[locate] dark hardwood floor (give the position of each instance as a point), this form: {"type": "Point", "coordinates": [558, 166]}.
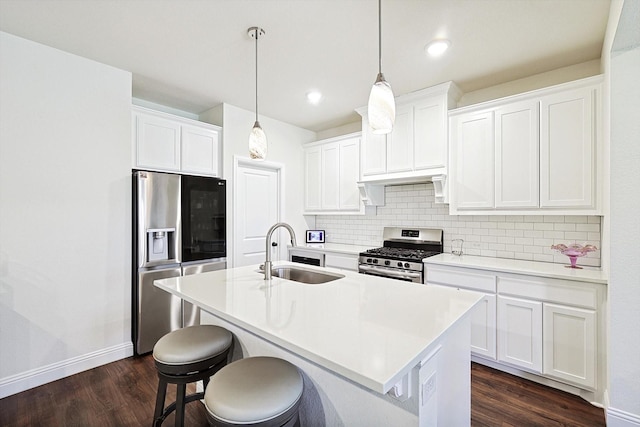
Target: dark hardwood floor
{"type": "Point", "coordinates": [122, 394]}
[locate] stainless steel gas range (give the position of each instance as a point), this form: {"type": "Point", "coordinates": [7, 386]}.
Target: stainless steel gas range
{"type": "Point", "coordinates": [402, 253]}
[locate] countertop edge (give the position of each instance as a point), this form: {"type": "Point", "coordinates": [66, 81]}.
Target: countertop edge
{"type": "Point", "coordinates": [530, 268]}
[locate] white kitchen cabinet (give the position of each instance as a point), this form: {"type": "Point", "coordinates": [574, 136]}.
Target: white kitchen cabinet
{"type": "Point", "coordinates": [429, 150]}
{"type": "Point", "coordinates": [163, 142]}
{"type": "Point", "coordinates": [483, 318]}
{"type": "Point", "coordinates": [534, 153]}
{"type": "Point", "coordinates": [200, 148]}
{"type": "Point", "coordinates": [475, 169]}
{"type": "Point", "coordinates": [567, 148]}
{"type": "Point", "coordinates": [374, 151]}
{"type": "Point", "coordinates": [157, 144]}
{"type": "Point", "coordinates": [516, 155]}
{"type": "Point", "coordinates": [520, 333]}
{"type": "Point", "coordinates": [417, 148]}
{"type": "Point", "coordinates": [331, 176]}
{"type": "Point", "coordinates": [341, 261]}
{"type": "Point", "coordinates": [342, 257]}
{"type": "Point", "coordinates": [534, 326]}
{"type": "Point", "coordinates": [400, 142]}
{"type": "Point", "coordinates": [569, 348]}
{"type": "Point", "coordinates": [349, 173]}
{"type": "Point", "coordinates": [312, 182]}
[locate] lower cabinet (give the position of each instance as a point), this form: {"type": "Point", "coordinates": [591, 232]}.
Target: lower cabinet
{"type": "Point", "coordinates": [569, 344]}
{"type": "Point", "coordinates": [483, 328]}
{"type": "Point", "coordinates": [548, 327]}
{"type": "Point", "coordinates": [341, 261]}
{"type": "Point", "coordinates": [483, 319]}
{"type": "Point", "coordinates": [520, 333]}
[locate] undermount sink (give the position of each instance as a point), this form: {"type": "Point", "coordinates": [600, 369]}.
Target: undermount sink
{"type": "Point", "coordinates": [302, 275]}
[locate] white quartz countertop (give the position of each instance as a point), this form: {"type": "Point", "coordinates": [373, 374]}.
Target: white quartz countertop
{"type": "Point", "coordinates": [368, 329]}
{"type": "Point", "coordinates": [534, 268]}
{"type": "Point", "coordinates": [332, 247]}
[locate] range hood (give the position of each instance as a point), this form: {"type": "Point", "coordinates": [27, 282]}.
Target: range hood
{"type": "Point", "coordinates": [372, 189]}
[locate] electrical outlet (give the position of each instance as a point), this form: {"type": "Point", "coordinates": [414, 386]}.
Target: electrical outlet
{"type": "Point", "coordinates": [429, 388]}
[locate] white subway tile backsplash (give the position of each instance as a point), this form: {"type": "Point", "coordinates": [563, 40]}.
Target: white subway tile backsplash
{"type": "Point", "coordinates": [525, 237]}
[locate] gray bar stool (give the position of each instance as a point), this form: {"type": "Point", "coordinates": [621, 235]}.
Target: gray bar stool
{"type": "Point", "coordinates": [184, 356]}
{"type": "Point", "coordinates": [256, 391]}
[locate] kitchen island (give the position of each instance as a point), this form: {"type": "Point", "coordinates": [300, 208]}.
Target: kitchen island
{"type": "Point", "coordinates": [373, 351]}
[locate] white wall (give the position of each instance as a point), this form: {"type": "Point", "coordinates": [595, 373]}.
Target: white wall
{"type": "Point", "coordinates": [65, 209]}
{"type": "Point", "coordinates": [624, 276]}
{"type": "Point", "coordinates": [537, 81]}
{"type": "Point", "coordinates": [285, 147]}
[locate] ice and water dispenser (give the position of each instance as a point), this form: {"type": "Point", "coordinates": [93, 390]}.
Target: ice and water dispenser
{"type": "Point", "coordinates": [160, 244]}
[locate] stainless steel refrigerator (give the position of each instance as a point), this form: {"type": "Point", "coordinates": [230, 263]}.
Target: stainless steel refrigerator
{"type": "Point", "coordinates": [179, 228]}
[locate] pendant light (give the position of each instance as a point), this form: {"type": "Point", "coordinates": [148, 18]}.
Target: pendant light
{"type": "Point", "coordinates": [257, 138]}
{"type": "Point", "coordinates": [382, 105]}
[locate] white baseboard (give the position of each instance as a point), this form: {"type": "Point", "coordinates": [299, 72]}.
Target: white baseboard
{"type": "Point", "coordinates": [618, 418]}
{"type": "Point", "coordinates": [36, 377]}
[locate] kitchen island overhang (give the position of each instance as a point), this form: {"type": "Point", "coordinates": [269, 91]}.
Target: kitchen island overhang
{"type": "Point", "coordinates": [377, 333]}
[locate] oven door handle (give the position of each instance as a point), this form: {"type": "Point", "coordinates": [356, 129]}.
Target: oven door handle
{"type": "Point", "coordinates": [390, 272]}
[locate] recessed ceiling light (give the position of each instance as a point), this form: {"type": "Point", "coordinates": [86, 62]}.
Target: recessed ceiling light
{"type": "Point", "coordinates": [314, 97]}
{"type": "Point", "coordinates": [437, 47]}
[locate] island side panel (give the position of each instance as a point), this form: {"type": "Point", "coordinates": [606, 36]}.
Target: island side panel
{"type": "Point", "coordinates": [440, 385]}
{"type": "Point", "coordinates": [329, 399]}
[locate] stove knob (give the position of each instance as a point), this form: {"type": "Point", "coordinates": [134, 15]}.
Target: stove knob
{"type": "Point", "coordinates": [368, 260]}
{"type": "Point", "coordinates": [399, 264]}
{"type": "Point", "coordinates": [375, 261]}
{"type": "Point", "coordinates": [407, 265]}
{"type": "Point", "coordinates": [387, 263]}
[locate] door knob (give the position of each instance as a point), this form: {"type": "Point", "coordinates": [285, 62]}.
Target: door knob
{"type": "Point", "coordinates": [274, 243]}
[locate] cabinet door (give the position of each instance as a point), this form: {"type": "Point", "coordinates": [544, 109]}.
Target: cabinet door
{"type": "Point", "coordinates": [474, 170]}
{"type": "Point", "coordinates": [567, 145]}
{"type": "Point", "coordinates": [430, 134]}
{"type": "Point", "coordinates": [157, 143]}
{"type": "Point", "coordinates": [312, 178]}
{"type": "Point", "coordinates": [520, 333]}
{"type": "Point", "coordinates": [570, 344]}
{"type": "Point", "coordinates": [517, 141]}
{"type": "Point", "coordinates": [374, 151]}
{"type": "Point", "coordinates": [483, 328]}
{"type": "Point", "coordinates": [400, 142]}
{"type": "Point", "coordinates": [349, 174]}
{"type": "Point", "coordinates": [330, 176]}
{"type": "Point", "coordinates": [200, 151]}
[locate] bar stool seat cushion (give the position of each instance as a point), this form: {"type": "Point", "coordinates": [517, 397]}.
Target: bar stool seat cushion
{"type": "Point", "coordinates": [253, 390]}
{"type": "Point", "coordinates": [192, 344]}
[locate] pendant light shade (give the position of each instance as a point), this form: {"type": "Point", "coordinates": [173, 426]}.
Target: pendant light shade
{"type": "Point", "coordinates": [257, 137]}
{"type": "Point", "coordinates": [257, 142]}
{"type": "Point", "coordinates": [382, 105]}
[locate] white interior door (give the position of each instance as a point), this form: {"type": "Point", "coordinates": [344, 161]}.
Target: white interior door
{"type": "Point", "coordinates": [256, 209]}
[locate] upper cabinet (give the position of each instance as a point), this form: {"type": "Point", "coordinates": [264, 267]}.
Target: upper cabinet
{"type": "Point", "coordinates": [332, 171]}
{"type": "Point", "coordinates": [417, 148]}
{"type": "Point", "coordinates": [528, 154]}
{"type": "Point", "coordinates": [164, 142]}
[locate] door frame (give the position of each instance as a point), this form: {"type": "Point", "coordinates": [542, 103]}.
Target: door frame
{"type": "Point", "coordinates": [238, 162]}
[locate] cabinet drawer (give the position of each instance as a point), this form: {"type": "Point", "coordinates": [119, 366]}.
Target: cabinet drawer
{"type": "Point", "coordinates": [465, 279]}
{"type": "Point", "coordinates": [344, 262]}
{"type": "Point", "coordinates": [552, 290]}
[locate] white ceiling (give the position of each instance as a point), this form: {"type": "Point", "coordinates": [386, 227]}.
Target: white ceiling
{"type": "Point", "coordinates": [195, 54]}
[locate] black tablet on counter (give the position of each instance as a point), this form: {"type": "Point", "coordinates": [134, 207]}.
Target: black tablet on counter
{"type": "Point", "coordinates": [315, 236]}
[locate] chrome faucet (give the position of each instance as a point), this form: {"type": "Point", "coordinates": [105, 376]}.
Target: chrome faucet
{"type": "Point", "coordinates": [267, 262]}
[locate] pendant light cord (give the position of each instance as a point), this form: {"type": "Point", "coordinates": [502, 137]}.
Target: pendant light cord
{"type": "Point", "coordinates": [256, 33]}
{"type": "Point", "coordinates": [379, 36]}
